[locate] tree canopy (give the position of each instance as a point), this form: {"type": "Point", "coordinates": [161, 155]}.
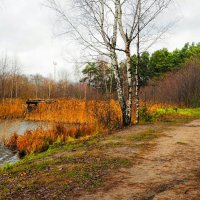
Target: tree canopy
{"type": "Point", "coordinates": [151, 65]}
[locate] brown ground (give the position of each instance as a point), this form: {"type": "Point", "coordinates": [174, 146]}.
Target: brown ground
{"type": "Point", "coordinates": [164, 165]}
{"type": "Point", "coordinates": [170, 171]}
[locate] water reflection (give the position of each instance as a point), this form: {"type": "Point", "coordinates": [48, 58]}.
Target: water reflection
{"type": "Point", "coordinates": [8, 127]}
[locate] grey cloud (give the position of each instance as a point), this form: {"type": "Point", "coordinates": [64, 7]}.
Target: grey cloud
{"type": "Point", "coordinates": [27, 31]}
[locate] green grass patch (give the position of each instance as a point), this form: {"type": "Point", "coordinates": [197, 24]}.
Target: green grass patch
{"type": "Point", "coordinates": [195, 112]}
{"type": "Point", "coordinates": [190, 111]}
{"type": "Point", "coordinates": [6, 167]}
{"type": "Point", "coordinates": [147, 135]}
{"type": "Point", "coordinates": [112, 144]}
{"type": "Point", "coordinates": [175, 116]}
{"type": "Point", "coordinates": [64, 174]}
{"type": "Point", "coordinates": [143, 145]}
{"type": "Point", "coordinates": [59, 148]}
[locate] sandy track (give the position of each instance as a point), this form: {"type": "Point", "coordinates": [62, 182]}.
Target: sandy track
{"type": "Point", "coordinates": [170, 171]}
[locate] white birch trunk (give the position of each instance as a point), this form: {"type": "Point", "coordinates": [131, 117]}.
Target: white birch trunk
{"type": "Point", "coordinates": [121, 98]}
{"type": "Point", "coordinates": [130, 87]}
{"type": "Point", "coordinates": [137, 98]}
{"type": "Point", "coordinates": [128, 59]}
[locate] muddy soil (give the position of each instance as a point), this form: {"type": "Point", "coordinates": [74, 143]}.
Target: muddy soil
{"type": "Point", "coordinates": [171, 170]}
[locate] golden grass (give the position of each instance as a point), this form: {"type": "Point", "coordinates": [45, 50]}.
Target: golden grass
{"type": "Point", "coordinates": [40, 139]}
{"type": "Point", "coordinates": [12, 109]}
{"type": "Point", "coordinates": [75, 111]}
{"type": "Point", "coordinates": [83, 118]}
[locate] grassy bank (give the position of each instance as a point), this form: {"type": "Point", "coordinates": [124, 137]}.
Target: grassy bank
{"type": "Point", "coordinates": [168, 114]}
{"type": "Point", "coordinates": [81, 166]}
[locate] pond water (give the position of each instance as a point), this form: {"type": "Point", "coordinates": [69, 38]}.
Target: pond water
{"type": "Point", "coordinates": [9, 127]}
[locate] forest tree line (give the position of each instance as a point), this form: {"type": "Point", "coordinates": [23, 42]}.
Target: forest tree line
{"type": "Point", "coordinates": [164, 76]}
{"type": "Point", "coordinates": [157, 64]}
{"type": "Point", "coordinates": [179, 71]}
{"type": "Point", "coordinates": [14, 84]}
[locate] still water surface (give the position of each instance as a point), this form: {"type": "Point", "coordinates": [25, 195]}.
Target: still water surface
{"type": "Point", "coordinates": [8, 127]}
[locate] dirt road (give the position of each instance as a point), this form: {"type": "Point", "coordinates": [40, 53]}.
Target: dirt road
{"type": "Point", "coordinates": [170, 171]}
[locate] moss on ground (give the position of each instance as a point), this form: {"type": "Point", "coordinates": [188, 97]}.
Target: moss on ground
{"type": "Point", "coordinates": [147, 135]}
{"type": "Point", "coordinates": [61, 170]}
{"type": "Point", "coordinates": [60, 176]}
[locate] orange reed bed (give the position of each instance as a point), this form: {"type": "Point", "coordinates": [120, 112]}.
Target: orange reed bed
{"type": "Point", "coordinates": [34, 141]}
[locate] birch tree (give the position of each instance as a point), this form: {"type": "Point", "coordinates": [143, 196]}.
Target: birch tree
{"type": "Point", "coordinates": [109, 28]}
{"type": "Point", "coordinates": [96, 28]}
{"type": "Point", "coordinates": [134, 16]}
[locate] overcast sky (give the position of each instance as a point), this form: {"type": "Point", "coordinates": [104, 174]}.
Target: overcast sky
{"type": "Point", "coordinates": [26, 31]}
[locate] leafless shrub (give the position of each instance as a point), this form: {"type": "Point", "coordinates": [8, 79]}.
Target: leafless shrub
{"type": "Point", "coordinates": [181, 87]}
